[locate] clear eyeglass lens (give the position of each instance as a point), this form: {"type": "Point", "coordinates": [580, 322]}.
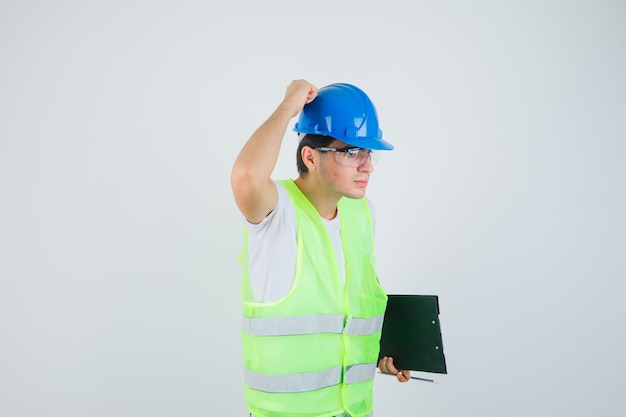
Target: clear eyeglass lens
{"type": "Point", "coordinates": [357, 157]}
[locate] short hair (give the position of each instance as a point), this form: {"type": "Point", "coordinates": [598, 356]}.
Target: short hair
{"type": "Point", "coordinates": [312, 141]}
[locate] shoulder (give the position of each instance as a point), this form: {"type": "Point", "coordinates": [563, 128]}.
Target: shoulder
{"type": "Point", "coordinates": [282, 214]}
{"type": "Point", "coordinates": [367, 206]}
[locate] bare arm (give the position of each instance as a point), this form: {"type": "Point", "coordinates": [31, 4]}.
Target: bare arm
{"type": "Point", "coordinates": [254, 192]}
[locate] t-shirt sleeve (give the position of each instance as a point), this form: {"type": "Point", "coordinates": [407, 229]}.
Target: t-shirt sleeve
{"type": "Point", "coordinates": [272, 250]}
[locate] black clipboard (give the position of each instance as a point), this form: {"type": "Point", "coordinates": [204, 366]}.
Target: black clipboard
{"type": "Point", "coordinates": [411, 333]}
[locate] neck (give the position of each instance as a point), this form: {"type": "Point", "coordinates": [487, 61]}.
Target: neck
{"type": "Point", "coordinates": [324, 202]}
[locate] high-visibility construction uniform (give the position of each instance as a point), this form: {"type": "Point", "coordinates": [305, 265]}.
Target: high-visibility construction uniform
{"type": "Point", "coordinates": [314, 352]}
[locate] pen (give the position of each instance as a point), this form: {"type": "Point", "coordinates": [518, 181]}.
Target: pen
{"type": "Point", "coordinates": [424, 379]}
{"type": "Point", "coordinates": [414, 377]}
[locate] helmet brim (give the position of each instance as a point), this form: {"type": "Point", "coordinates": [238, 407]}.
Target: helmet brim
{"type": "Point", "coordinates": [374, 144]}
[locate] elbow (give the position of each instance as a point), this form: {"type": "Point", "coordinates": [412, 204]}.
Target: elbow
{"type": "Point", "coordinates": [240, 177]}
{"type": "Point", "coordinates": [244, 182]}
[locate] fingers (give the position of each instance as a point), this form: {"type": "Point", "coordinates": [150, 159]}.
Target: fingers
{"type": "Point", "coordinates": [386, 366]}
{"type": "Point", "coordinates": [312, 94]}
{"type": "Point", "coordinates": [404, 376]}
{"type": "Point", "coordinates": [299, 93]}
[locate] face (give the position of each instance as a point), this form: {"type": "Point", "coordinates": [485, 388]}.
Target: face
{"type": "Point", "coordinates": [347, 181]}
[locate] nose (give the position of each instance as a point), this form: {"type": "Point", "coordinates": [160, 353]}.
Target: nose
{"type": "Point", "coordinates": [366, 165]}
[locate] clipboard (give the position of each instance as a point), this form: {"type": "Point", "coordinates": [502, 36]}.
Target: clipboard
{"type": "Point", "coordinates": [411, 333]}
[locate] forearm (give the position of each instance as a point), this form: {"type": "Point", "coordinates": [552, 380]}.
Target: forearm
{"type": "Point", "coordinates": [254, 192]}
{"type": "Point", "coordinates": [258, 157]}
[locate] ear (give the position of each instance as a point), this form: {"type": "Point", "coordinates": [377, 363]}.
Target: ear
{"type": "Point", "coordinates": [309, 157]}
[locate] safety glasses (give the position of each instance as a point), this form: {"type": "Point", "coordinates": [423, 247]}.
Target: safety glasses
{"type": "Point", "coordinates": [351, 156]}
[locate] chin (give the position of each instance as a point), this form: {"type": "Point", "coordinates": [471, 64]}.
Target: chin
{"type": "Point", "coordinates": [355, 194]}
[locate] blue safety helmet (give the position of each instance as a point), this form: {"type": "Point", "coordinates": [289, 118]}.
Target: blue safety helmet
{"type": "Point", "coordinates": [346, 113]}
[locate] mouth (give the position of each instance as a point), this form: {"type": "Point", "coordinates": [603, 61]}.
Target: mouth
{"type": "Point", "coordinates": [361, 182]}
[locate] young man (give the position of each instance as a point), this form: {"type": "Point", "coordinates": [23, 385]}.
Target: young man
{"type": "Point", "coordinates": [312, 304]}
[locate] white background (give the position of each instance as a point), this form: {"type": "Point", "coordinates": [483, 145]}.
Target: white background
{"type": "Point", "coordinates": [119, 122]}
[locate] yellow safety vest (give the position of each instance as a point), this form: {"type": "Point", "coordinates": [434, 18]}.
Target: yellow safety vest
{"type": "Point", "coordinates": [314, 352]}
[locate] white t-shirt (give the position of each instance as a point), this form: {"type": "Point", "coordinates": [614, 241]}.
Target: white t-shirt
{"type": "Point", "coordinates": [272, 248]}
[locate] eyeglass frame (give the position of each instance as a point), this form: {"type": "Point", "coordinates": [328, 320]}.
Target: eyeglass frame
{"type": "Point", "coordinates": [347, 149]}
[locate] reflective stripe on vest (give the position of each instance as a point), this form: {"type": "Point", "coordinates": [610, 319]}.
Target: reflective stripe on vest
{"type": "Point", "coordinates": [300, 325]}
{"type": "Point", "coordinates": [308, 381]}
{"type": "Point", "coordinates": [362, 327]}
